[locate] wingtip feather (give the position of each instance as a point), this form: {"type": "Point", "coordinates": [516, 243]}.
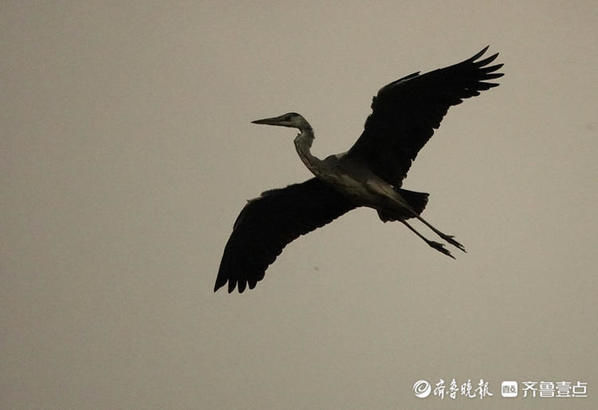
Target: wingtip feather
{"type": "Point", "coordinates": [492, 76]}
{"type": "Point", "coordinates": [487, 60]}
{"type": "Point", "coordinates": [479, 54]}
{"type": "Point", "coordinates": [491, 68]}
{"type": "Point", "coordinates": [241, 286]}
{"type": "Point", "coordinates": [218, 285]}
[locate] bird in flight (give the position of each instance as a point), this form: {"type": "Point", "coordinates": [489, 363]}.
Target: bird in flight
{"type": "Point", "coordinates": [404, 115]}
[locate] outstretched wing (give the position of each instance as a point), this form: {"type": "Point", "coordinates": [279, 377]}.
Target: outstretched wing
{"type": "Point", "coordinates": [407, 111]}
{"type": "Point", "coordinates": [268, 223]}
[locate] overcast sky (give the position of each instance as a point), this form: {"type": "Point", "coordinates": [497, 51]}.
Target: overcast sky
{"type": "Point", "coordinates": [126, 153]}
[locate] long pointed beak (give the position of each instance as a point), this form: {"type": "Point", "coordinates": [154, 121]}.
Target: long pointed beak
{"type": "Point", "coordinates": [270, 121]}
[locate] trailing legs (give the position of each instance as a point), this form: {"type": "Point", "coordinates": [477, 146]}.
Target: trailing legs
{"type": "Point", "coordinates": [436, 245]}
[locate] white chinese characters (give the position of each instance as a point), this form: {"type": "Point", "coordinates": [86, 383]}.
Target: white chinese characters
{"type": "Point", "coordinates": [543, 389]}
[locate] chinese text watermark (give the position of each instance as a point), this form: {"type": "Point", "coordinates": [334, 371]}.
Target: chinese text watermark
{"type": "Point", "coordinates": [480, 389]}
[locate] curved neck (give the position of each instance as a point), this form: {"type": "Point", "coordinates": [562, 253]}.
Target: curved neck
{"type": "Point", "coordinates": [303, 142]}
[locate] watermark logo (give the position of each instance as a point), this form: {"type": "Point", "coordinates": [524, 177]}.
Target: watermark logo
{"type": "Point", "coordinates": [422, 389]}
{"type": "Point", "coordinates": [524, 390]}
{"type": "Point", "coordinates": [508, 389]}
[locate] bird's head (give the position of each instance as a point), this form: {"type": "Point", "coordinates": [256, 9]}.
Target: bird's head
{"type": "Point", "coordinates": [291, 119]}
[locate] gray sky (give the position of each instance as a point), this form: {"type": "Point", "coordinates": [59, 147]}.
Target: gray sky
{"type": "Point", "coordinates": [126, 153]}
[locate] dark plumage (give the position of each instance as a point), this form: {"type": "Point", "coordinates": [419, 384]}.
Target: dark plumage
{"type": "Point", "coordinates": [268, 223]}
{"type": "Point", "coordinates": [407, 111]}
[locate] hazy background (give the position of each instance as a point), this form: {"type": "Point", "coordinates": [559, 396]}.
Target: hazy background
{"type": "Point", "coordinates": [126, 154]}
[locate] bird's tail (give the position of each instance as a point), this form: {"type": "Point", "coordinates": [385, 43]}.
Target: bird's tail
{"type": "Point", "coordinates": [416, 200]}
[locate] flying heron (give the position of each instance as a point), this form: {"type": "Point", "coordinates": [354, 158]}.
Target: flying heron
{"type": "Point", "coordinates": [405, 114]}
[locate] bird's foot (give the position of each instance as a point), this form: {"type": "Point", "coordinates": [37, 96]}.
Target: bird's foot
{"type": "Point", "coordinates": [440, 248]}
{"type": "Point", "coordinates": [451, 239]}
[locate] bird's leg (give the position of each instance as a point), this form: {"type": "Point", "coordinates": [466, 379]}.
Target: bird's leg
{"type": "Point", "coordinates": [436, 245]}
{"type": "Point", "coordinates": [390, 192]}
{"type": "Point", "coordinates": [449, 238]}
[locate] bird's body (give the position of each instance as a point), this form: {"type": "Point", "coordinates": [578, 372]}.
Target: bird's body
{"type": "Point", "coordinates": [347, 175]}
{"type": "Point", "coordinates": [370, 174]}
{"type": "Point", "coordinates": [353, 179]}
